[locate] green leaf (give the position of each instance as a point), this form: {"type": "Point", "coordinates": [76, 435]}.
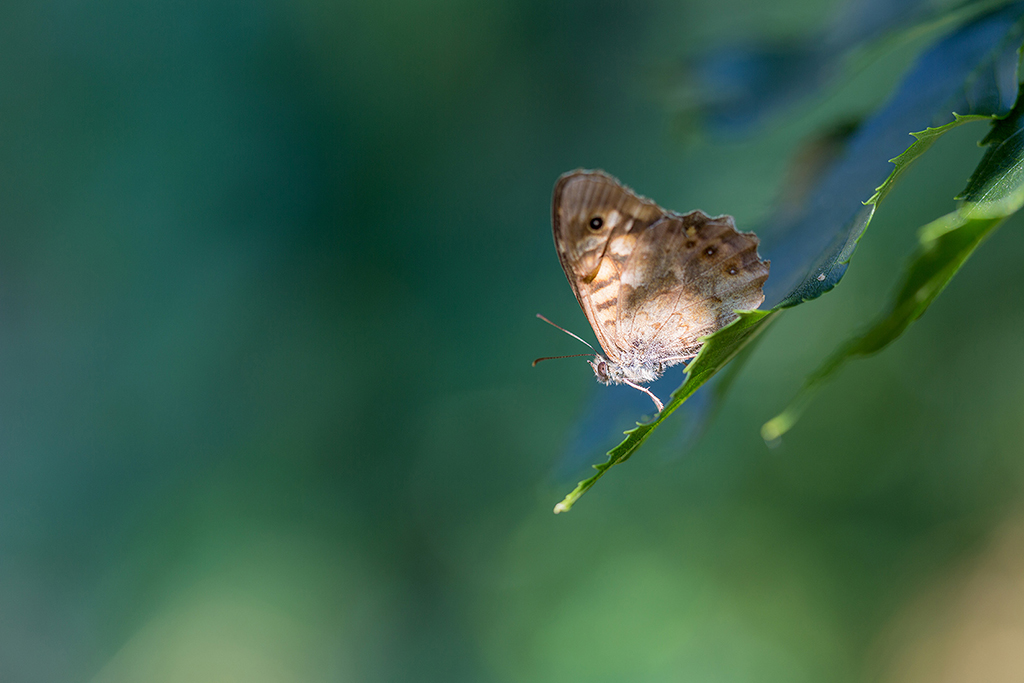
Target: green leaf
{"type": "Point", "coordinates": [923, 140]}
{"type": "Point", "coordinates": [994, 192]}
{"type": "Point", "coordinates": [719, 348]}
{"type": "Point", "coordinates": [973, 70]}
{"type": "Point", "coordinates": [945, 246]}
{"type": "Point", "coordinates": [997, 179]}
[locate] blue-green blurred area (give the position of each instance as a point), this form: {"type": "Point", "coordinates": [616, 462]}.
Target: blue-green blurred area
{"type": "Point", "coordinates": [267, 287]}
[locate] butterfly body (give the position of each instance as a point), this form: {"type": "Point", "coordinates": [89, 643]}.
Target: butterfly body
{"type": "Point", "coordinates": [651, 282]}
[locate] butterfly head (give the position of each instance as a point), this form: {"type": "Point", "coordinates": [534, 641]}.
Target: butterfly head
{"type": "Point", "coordinates": [600, 365]}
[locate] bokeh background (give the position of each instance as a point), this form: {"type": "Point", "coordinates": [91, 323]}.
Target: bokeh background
{"type": "Point", "coordinates": [267, 286]}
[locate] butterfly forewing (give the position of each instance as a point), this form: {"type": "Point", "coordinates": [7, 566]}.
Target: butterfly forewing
{"type": "Point", "coordinates": [596, 221]}
{"type": "Point", "coordinates": [652, 283]}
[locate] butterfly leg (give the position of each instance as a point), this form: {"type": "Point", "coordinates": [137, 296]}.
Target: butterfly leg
{"type": "Point", "coordinates": [647, 391]}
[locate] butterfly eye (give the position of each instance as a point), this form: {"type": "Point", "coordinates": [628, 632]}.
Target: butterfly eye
{"type": "Point", "coordinates": [596, 222]}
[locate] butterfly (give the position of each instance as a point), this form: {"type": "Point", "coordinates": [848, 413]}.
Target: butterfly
{"type": "Point", "coordinates": [651, 282]}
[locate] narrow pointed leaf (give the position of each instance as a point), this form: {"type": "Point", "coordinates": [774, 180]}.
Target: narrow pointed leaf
{"type": "Point", "coordinates": [994, 192]}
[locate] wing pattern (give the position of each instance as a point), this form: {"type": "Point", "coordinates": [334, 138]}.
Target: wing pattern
{"type": "Point", "coordinates": [651, 282]}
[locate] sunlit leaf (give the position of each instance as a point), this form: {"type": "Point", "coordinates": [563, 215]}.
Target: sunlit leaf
{"type": "Point", "coordinates": [994, 192]}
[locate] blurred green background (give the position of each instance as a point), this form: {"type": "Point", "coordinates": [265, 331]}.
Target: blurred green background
{"type": "Point", "coordinates": [267, 288]}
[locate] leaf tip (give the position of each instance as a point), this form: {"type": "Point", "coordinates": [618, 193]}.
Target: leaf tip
{"type": "Point", "coordinates": [562, 507]}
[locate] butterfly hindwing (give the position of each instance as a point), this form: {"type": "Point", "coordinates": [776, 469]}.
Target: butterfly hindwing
{"type": "Point", "coordinates": [684, 280]}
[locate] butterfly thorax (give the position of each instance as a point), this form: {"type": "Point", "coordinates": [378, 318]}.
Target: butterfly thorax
{"type": "Point", "coordinates": [639, 371]}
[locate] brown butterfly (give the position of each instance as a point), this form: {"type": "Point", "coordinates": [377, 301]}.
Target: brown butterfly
{"type": "Point", "coordinates": [651, 282]}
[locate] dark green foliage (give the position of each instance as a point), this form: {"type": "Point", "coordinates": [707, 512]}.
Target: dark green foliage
{"type": "Point", "coordinates": [970, 75]}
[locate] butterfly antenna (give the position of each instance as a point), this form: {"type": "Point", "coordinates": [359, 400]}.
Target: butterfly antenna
{"type": "Point", "coordinates": [568, 333]}
{"type": "Point", "coordinates": [574, 355]}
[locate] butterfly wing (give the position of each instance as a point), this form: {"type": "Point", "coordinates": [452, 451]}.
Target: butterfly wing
{"type": "Point", "coordinates": [683, 280]}
{"type": "Point", "coordinates": [596, 222]}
